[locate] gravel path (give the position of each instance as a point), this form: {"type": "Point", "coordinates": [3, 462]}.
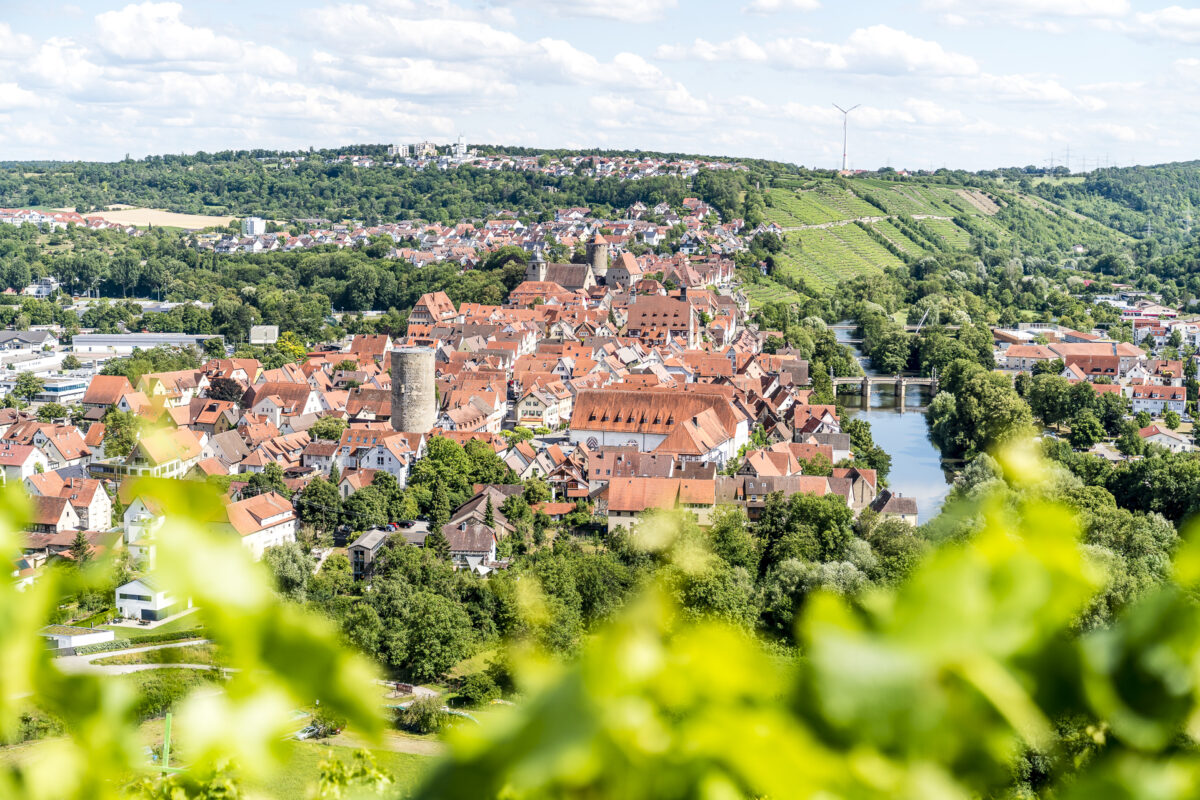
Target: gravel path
{"type": "Point", "coordinates": [77, 664]}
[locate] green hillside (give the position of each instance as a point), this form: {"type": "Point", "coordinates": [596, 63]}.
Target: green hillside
{"type": "Point", "coordinates": [837, 229]}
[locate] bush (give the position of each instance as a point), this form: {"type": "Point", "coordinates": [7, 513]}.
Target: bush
{"type": "Point", "coordinates": [161, 689]}
{"type": "Point", "coordinates": [423, 715]}
{"type": "Point", "coordinates": [478, 689]}
{"type": "Point", "coordinates": [102, 647]}
{"type": "Point", "coordinates": [35, 725]}
{"type": "Point", "coordinates": [327, 724]}
{"type": "Point", "coordinates": [167, 636]}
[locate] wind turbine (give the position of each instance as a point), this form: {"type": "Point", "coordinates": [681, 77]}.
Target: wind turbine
{"type": "Point", "coordinates": [845, 122]}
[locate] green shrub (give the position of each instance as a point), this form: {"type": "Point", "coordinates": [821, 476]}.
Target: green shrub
{"type": "Point", "coordinates": [478, 689]}
{"type": "Point", "coordinates": [161, 689]}
{"type": "Point", "coordinates": [423, 715]}
{"type": "Point", "coordinates": [102, 647]}
{"type": "Point", "coordinates": [167, 636]}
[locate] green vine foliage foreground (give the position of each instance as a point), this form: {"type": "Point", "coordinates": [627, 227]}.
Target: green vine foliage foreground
{"type": "Point", "coordinates": [283, 659]}
{"type": "Point", "coordinates": [972, 679]}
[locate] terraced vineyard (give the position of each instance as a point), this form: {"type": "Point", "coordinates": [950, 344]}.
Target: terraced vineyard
{"type": "Point", "coordinates": [953, 236]}
{"type": "Point", "coordinates": [827, 202]}
{"type": "Point", "coordinates": [898, 238]}
{"type": "Point", "coordinates": [769, 292]}
{"type": "Point", "coordinates": [825, 256]}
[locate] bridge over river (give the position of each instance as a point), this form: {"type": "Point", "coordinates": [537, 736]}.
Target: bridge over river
{"type": "Point", "coordinates": [900, 382]}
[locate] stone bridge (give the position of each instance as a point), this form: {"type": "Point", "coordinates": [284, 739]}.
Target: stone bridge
{"type": "Point", "coordinates": [900, 382]}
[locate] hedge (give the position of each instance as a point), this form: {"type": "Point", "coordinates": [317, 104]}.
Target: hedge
{"type": "Point", "coordinates": [102, 647]}
{"type": "Point", "coordinates": [168, 636]}
{"type": "Point", "coordinates": [136, 641]}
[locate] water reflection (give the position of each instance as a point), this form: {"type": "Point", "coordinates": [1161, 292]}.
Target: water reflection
{"type": "Point", "coordinates": [916, 464]}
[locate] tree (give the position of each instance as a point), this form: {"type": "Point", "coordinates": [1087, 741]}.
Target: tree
{"type": "Point", "coordinates": [1143, 419]}
{"type": "Point", "coordinates": [81, 551]}
{"type": "Point", "coordinates": [290, 345]}
{"type": "Point", "coordinates": [52, 411]}
{"type": "Point", "coordinates": [269, 480]}
{"type": "Point", "coordinates": [221, 388]}
{"type": "Point", "coordinates": [423, 715]}
{"type": "Point", "coordinates": [72, 362]}
{"type": "Point", "coordinates": [731, 539]}
{"type": "Point", "coordinates": [536, 491]}
{"type": "Point", "coordinates": [214, 348]}
{"type": "Point", "coordinates": [437, 543]}
{"type": "Point", "coordinates": [1129, 443]}
{"type": "Point", "coordinates": [292, 568]}
{"type": "Point", "coordinates": [489, 514]}
{"type": "Point", "coordinates": [1023, 383]}
{"type": "Point", "coordinates": [439, 509]}
{"type": "Point", "coordinates": [319, 504]}
{"type": "Point", "coordinates": [365, 509]}
{"type": "Point", "coordinates": [1171, 418]}
{"type": "Point", "coordinates": [121, 432]}
{"type": "Point", "coordinates": [1050, 398]}
{"type": "Point", "coordinates": [328, 428]}
{"type": "Point", "coordinates": [477, 689]}
{"type": "Point", "coordinates": [1086, 430]}
{"type": "Point", "coordinates": [439, 635]}
{"type": "Point", "coordinates": [27, 386]}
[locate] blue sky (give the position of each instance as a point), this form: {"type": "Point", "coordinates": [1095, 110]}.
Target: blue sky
{"type": "Point", "coordinates": [959, 83]}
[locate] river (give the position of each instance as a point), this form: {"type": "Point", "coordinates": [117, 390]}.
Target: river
{"type": "Point", "coordinates": [916, 464]}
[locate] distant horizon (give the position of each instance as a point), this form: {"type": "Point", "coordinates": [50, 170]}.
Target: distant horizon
{"type": "Point", "coordinates": [614, 150]}
{"type": "Point", "coordinates": [936, 82]}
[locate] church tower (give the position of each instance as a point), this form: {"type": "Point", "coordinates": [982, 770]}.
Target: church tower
{"type": "Point", "coordinates": [536, 269]}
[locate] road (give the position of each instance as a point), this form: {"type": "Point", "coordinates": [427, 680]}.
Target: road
{"type": "Point", "coordinates": [841, 222]}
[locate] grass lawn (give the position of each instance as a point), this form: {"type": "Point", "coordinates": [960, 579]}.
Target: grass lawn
{"type": "Point", "coordinates": [475, 663]}
{"type": "Point", "coordinates": [302, 769]}
{"type": "Point", "coordinates": [187, 654]}
{"type": "Point", "coordinates": [298, 772]}
{"type": "Point", "coordinates": [184, 623]}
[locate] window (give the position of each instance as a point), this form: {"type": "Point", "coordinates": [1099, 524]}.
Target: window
{"type": "Point", "coordinates": [141, 598]}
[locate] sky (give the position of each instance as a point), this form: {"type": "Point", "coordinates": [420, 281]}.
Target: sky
{"type": "Point", "coordinates": [969, 84]}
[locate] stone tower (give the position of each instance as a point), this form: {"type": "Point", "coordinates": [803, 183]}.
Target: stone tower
{"type": "Point", "coordinates": [597, 256]}
{"type": "Point", "coordinates": [535, 270]}
{"type": "Point", "coordinates": [414, 408]}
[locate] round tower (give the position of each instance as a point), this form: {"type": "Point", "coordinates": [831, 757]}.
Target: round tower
{"type": "Point", "coordinates": [414, 407]}
{"type": "Point", "coordinates": [597, 255]}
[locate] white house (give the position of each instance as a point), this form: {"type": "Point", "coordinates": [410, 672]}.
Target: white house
{"type": "Point", "coordinates": [19, 461]}
{"type": "Point", "coordinates": [61, 636]}
{"type": "Point", "coordinates": [143, 518]}
{"type": "Point", "coordinates": [1163, 436]}
{"type": "Point", "coordinates": [143, 598]}
{"type": "Point", "coordinates": [1158, 400]}
{"type": "Point", "coordinates": [263, 521]}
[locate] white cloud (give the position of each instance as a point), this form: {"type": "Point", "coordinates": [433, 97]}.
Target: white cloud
{"type": "Point", "coordinates": [1023, 89]}
{"type": "Point", "coordinates": [14, 45]}
{"type": "Point", "coordinates": [155, 33]}
{"type": "Point", "coordinates": [1172, 23]}
{"type": "Point", "coordinates": [1122, 133]}
{"type": "Point", "coordinates": [359, 27]}
{"type": "Point", "coordinates": [632, 11]}
{"type": "Point", "coordinates": [13, 97]}
{"type": "Point", "coordinates": [739, 48]}
{"type": "Point", "coordinates": [773, 6]}
{"type": "Point", "coordinates": [877, 50]}
{"type": "Point", "coordinates": [1046, 8]}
